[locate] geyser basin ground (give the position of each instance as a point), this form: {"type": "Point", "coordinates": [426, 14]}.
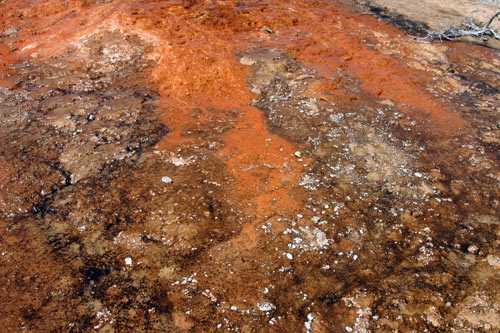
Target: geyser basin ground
{"type": "Point", "coordinates": [248, 166]}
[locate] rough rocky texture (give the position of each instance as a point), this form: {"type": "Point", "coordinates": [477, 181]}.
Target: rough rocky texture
{"type": "Point", "coordinates": [189, 166]}
{"type": "Point", "coordinates": [415, 17]}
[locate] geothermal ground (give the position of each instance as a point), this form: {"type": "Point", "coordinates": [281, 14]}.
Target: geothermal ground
{"type": "Point", "coordinates": [247, 166]}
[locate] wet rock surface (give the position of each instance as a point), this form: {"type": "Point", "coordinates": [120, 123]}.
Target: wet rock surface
{"type": "Point", "coordinates": [188, 166]}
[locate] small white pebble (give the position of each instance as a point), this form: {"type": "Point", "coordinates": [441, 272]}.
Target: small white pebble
{"type": "Point", "coordinates": [289, 256]}
{"type": "Point", "coordinates": [298, 154]}
{"type": "Point", "coordinates": [472, 248]}
{"type": "Point", "coordinates": [128, 261]}
{"type": "Point", "coordinates": [265, 306]}
{"type": "Point", "coordinates": [167, 179]}
{"type": "Point", "coordinates": [418, 174]}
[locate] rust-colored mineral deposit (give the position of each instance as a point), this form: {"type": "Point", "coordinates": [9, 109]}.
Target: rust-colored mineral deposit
{"type": "Point", "coordinates": [247, 166]}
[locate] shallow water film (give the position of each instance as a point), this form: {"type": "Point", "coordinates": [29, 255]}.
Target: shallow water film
{"type": "Point", "coordinates": [246, 166]}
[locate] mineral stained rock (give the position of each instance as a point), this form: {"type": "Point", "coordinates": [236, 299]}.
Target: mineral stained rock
{"type": "Point", "coordinates": [251, 166]}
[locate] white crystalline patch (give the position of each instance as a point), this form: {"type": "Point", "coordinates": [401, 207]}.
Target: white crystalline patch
{"type": "Point", "coordinates": [318, 238]}
{"type": "Point", "coordinates": [267, 228]}
{"type": "Point", "coordinates": [115, 54]}
{"type": "Point", "coordinates": [128, 261]}
{"type": "Point", "coordinates": [336, 117]}
{"type": "Point", "coordinates": [180, 161]}
{"type": "Point", "coordinates": [189, 279]}
{"type": "Point", "coordinates": [309, 238]}
{"type": "Point", "coordinates": [103, 316]}
{"type": "Point", "coordinates": [208, 294]}
{"type": "Point", "coordinates": [426, 254]}
{"type": "Point", "coordinates": [132, 241]}
{"type": "Point", "coordinates": [308, 182]}
{"type": "Point", "coordinates": [308, 323]}
{"type": "Point", "coordinates": [297, 240]}
{"type": "Point", "coordinates": [265, 306]}
{"type": "Point", "coordinates": [493, 260]}
{"type": "Point", "coordinates": [167, 179]}
{"type": "Point", "coordinates": [312, 107]}
{"type": "Point", "coordinates": [100, 314]}
{"type": "Point", "coordinates": [289, 256]}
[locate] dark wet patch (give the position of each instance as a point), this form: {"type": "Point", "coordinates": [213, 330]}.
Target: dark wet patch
{"type": "Point", "coordinates": [411, 27]}
{"type": "Point", "coordinates": [478, 86]}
